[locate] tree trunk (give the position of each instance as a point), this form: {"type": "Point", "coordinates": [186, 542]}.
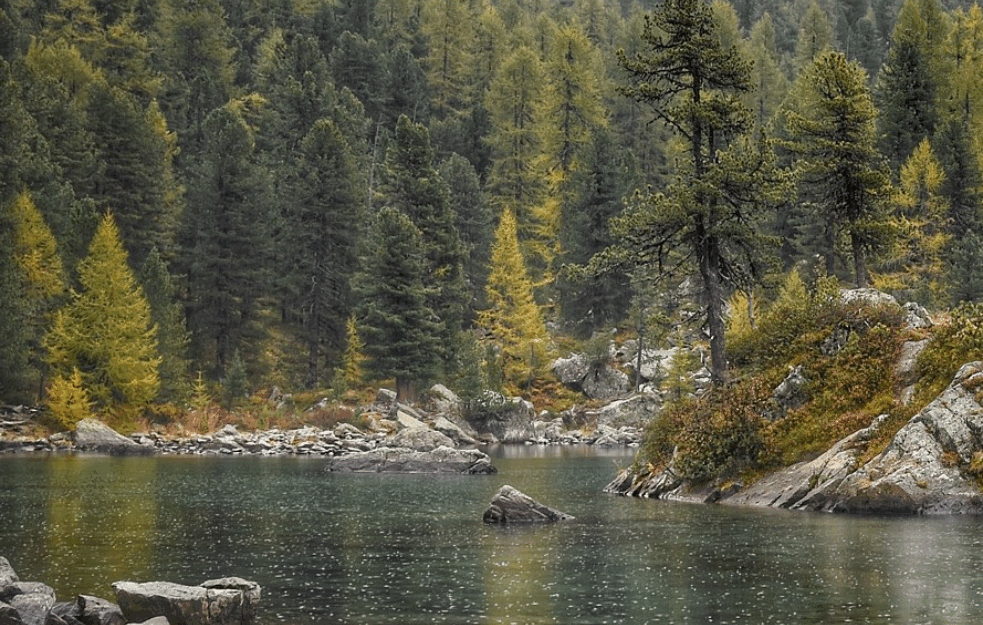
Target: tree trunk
{"type": "Point", "coordinates": [405, 390]}
{"type": "Point", "coordinates": [710, 271]}
{"type": "Point", "coordinates": [859, 261]}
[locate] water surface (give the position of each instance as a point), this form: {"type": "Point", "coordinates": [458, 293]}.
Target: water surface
{"type": "Point", "coordinates": [335, 548]}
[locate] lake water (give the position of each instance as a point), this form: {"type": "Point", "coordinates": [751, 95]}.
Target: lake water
{"type": "Point", "coordinates": [359, 549]}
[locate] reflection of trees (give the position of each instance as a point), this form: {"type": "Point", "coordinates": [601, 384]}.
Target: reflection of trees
{"type": "Point", "coordinates": [520, 579]}
{"type": "Point", "coordinates": [102, 505]}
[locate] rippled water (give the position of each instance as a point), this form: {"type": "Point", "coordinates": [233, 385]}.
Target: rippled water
{"type": "Point", "coordinates": [330, 548]}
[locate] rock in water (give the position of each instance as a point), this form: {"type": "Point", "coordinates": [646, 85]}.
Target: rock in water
{"type": "Point", "coordinates": [512, 506]}
{"type": "Point", "coordinates": [224, 603]}
{"type": "Point", "coordinates": [96, 436]}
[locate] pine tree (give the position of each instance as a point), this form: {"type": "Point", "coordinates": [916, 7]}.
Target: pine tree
{"type": "Point", "coordinates": [513, 318]}
{"type": "Point", "coordinates": [173, 338]}
{"type": "Point", "coordinates": [815, 36]}
{"type": "Point", "coordinates": [225, 240]}
{"type": "Point", "coordinates": [845, 179]}
{"type": "Point", "coordinates": [693, 85]}
{"type": "Point", "coordinates": [399, 330]}
{"type": "Point", "coordinates": [324, 225]}
{"type": "Point", "coordinates": [413, 185]}
{"type": "Point", "coordinates": [474, 221]}
{"type": "Point", "coordinates": [106, 330]}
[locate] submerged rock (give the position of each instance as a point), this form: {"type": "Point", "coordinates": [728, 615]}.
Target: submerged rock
{"type": "Point", "coordinates": [403, 460]}
{"type": "Point", "coordinates": [512, 506]}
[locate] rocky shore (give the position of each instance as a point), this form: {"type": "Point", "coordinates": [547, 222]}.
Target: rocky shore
{"type": "Point", "coordinates": [385, 425]}
{"type": "Point", "coordinates": [225, 601]}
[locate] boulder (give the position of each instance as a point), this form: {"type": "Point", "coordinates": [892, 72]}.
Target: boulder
{"type": "Point", "coordinates": [510, 506]}
{"type": "Point", "coordinates": [8, 615]}
{"type": "Point", "coordinates": [7, 574]}
{"type": "Point", "coordinates": [635, 411]}
{"type": "Point", "coordinates": [419, 438]}
{"type": "Point", "coordinates": [87, 610]}
{"type": "Point", "coordinates": [250, 590]}
{"type": "Point", "coordinates": [916, 317]}
{"type": "Point", "coordinates": [33, 606]}
{"type": "Point", "coordinates": [571, 371]}
{"type": "Point", "coordinates": [94, 436]}
{"type": "Point", "coordinates": [507, 419]}
{"type": "Point", "coordinates": [407, 418]}
{"type": "Point", "coordinates": [867, 298]}
{"type": "Point", "coordinates": [184, 605]}
{"type": "Point", "coordinates": [454, 432]}
{"type": "Point", "coordinates": [402, 460]}
{"type": "Point", "coordinates": [605, 382]}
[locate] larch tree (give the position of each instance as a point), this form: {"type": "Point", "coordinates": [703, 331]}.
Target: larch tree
{"type": "Point", "coordinates": [710, 210]}
{"type": "Point", "coordinates": [106, 331]}
{"type": "Point", "coordinates": [916, 265]}
{"type": "Point", "coordinates": [513, 318]}
{"type": "Point", "coordinates": [844, 177]}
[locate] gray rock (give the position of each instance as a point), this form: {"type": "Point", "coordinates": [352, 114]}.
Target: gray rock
{"type": "Point", "coordinates": [635, 411]}
{"type": "Point", "coordinates": [571, 371]}
{"type": "Point", "coordinates": [157, 620]}
{"type": "Point", "coordinates": [510, 506]}
{"type": "Point", "coordinates": [33, 607]}
{"type": "Point", "coordinates": [98, 611]}
{"type": "Point", "coordinates": [251, 593]}
{"type": "Point", "coordinates": [867, 298]}
{"type": "Point", "coordinates": [183, 605]}
{"type": "Point", "coordinates": [347, 431]}
{"type": "Point", "coordinates": [791, 393]}
{"type": "Point", "coordinates": [401, 460]}
{"type": "Point", "coordinates": [605, 382]}
{"type": "Point", "coordinates": [916, 316]}
{"type": "Point", "coordinates": [407, 418]}
{"type": "Point", "coordinates": [8, 615]}
{"type": "Point", "coordinates": [507, 419]}
{"type": "Point", "coordinates": [454, 432]}
{"type": "Point", "coordinates": [419, 438]}
{"type": "Point", "coordinates": [906, 367]}
{"type": "Point", "coordinates": [94, 436]}
{"type": "Point", "coordinates": [7, 574]}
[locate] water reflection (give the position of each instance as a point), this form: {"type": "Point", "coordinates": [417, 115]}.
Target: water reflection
{"type": "Point", "coordinates": [331, 548]}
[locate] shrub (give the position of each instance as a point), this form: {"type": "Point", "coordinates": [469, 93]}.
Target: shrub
{"type": "Point", "coordinates": [954, 343]}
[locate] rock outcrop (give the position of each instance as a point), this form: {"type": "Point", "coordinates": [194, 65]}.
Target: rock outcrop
{"type": "Point", "coordinates": [510, 506]}
{"type": "Point", "coordinates": [403, 460]}
{"type": "Point", "coordinates": [929, 467]}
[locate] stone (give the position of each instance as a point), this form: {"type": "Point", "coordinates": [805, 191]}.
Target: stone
{"type": "Point", "coordinates": [157, 620]}
{"type": "Point", "coordinates": [9, 615]}
{"type": "Point", "coordinates": [33, 607]}
{"type": "Point", "coordinates": [454, 432]}
{"type": "Point", "coordinates": [906, 368]}
{"type": "Point", "coordinates": [635, 411]}
{"type": "Point", "coordinates": [510, 506]}
{"type": "Point", "coordinates": [401, 460]}
{"type": "Point", "coordinates": [346, 430]}
{"type": "Point", "coordinates": [94, 436]}
{"type": "Point", "coordinates": [916, 317]}
{"type": "Point", "coordinates": [98, 611]}
{"type": "Point", "coordinates": [407, 418]}
{"type": "Point", "coordinates": [867, 298]}
{"type": "Point", "coordinates": [419, 439]}
{"type": "Point", "coordinates": [7, 574]}
{"type": "Point", "coordinates": [507, 419]}
{"type": "Point", "coordinates": [183, 605]}
{"type": "Point", "coordinates": [605, 382]}
{"type": "Point", "coordinates": [571, 371]}
{"type": "Point", "coordinates": [251, 593]}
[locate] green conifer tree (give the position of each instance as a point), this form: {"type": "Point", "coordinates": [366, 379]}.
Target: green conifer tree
{"type": "Point", "coordinates": [106, 330]}
{"type": "Point", "coordinates": [173, 338]}
{"type": "Point", "coordinates": [400, 333]}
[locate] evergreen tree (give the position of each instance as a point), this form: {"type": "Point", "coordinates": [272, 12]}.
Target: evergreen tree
{"type": "Point", "coordinates": [173, 339]}
{"type": "Point", "coordinates": [693, 86]}
{"type": "Point", "coordinates": [833, 133]}
{"type": "Point", "coordinates": [324, 221]}
{"type": "Point", "coordinates": [474, 221]}
{"type": "Point", "coordinates": [225, 251]}
{"type": "Point", "coordinates": [815, 36]}
{"type": "Point", "coordinates": [400, 334]}
{"type": "Point", "coordinates": [770, 84]}
{"type": "Point", "coordinates": [413, 186]}
{"type": "Point", "coordinates": [106, 331]}
{"type": "Point", "coordinates": [513, 318]}
{"type": "Point", "coordinates": [908, 84]}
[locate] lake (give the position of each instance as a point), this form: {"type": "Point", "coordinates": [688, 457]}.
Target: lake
{"type": "Point", "coordinates": [359, 549]}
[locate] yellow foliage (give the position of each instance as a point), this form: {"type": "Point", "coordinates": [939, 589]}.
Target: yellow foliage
{"type": "Point", "coordinates": [68, 401]}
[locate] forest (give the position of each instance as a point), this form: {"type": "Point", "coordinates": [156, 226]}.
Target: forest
{"type": "Point", "coordinates": [210, 198]}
